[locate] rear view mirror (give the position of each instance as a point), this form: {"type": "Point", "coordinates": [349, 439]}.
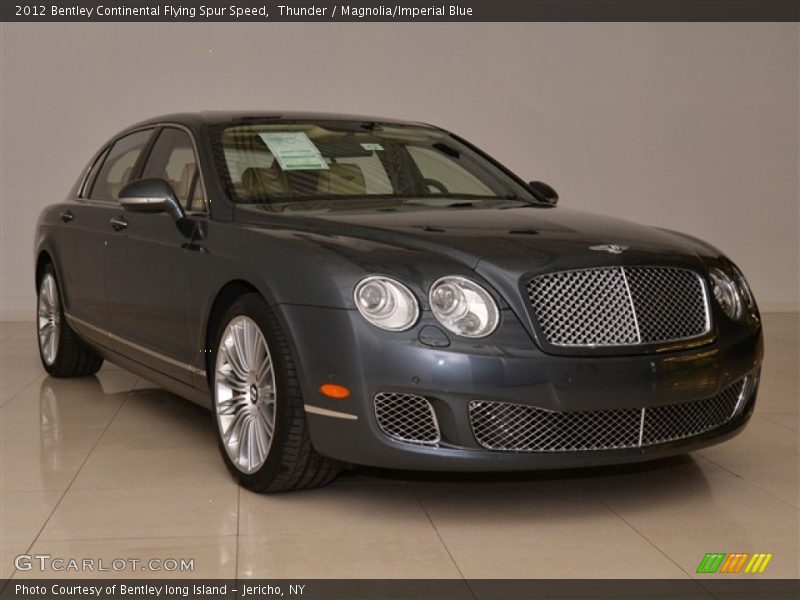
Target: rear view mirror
{"type": "Point", "coordinates": [152, 196]}
{"type": "Point", "coordinates": [544, 192]}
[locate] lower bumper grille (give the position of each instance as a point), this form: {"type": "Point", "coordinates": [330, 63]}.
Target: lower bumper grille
{"type": "Point", "coordinates": [407, 418]}
{"type": "Point", "coordinates": [517, 428]}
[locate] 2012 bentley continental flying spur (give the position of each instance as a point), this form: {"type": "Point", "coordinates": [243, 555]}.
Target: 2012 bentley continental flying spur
{"type": "Point", "coordinates": [344, 290]}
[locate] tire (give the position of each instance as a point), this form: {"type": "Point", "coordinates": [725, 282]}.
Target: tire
{"type": "Point", "coordinates": [249, 400]}
{"type": "Point", "coordinates": [62, 352]}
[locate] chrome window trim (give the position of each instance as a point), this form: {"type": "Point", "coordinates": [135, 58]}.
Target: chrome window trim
{"type": "Point", "coordinates": [155, 127]}
{"type": "Point", "coordinates": [112, 336]}
{"type": "Point", "coordinates": [104, 154]}
{"type": "Point", "coordinates": [99, 155]}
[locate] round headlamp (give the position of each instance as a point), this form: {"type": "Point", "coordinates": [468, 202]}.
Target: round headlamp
{"type": "Point", "coordinates": [727, 294]}
{"type": "Point", "coordinates": [744, 287]}
{"type": "Point", "coordinates": [386, 303]}
{"type": "Point", "coordinates": [463, 307]}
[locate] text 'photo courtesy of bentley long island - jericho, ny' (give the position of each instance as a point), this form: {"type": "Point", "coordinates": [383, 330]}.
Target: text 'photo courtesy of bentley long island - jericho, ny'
{"type": "Point", "coordinates": [344, 290]}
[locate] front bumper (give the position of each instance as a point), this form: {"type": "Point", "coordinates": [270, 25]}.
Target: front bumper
{"type": "Point", "coordinates": [338, 346]}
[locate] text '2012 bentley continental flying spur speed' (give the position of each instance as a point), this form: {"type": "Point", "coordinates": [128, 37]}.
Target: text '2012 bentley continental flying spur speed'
{"type": "Point", "coordinates": [344, 290]}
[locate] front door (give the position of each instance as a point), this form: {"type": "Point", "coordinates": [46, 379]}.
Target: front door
{"type": "Point", "coordinates": [147, 276]}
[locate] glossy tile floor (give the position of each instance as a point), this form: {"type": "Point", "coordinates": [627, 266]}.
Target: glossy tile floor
{"type": "Point", "coordinates": [112, 467]}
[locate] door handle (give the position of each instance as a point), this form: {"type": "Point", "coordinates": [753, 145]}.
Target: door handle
{"type": "Point", "coordinates": [67, 216]}
{"type": "Point", "coordinates": [118, 223]}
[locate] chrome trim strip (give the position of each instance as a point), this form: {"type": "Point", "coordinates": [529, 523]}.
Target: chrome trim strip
{"type": "Point", "coordinates": [153, 353]}
{"type": "Point", "coordinates": [633, 308]}
{"type": "Point", "coordinates": [641, 427]}
{"type": "Point", "coordinates": [318, 410]}
{"type": "Point", "coordinates": [140, 201]}
{"type": "Point", "coordinates": [747, 391]}
{"type": "Point", "coordinates": [707, 299]}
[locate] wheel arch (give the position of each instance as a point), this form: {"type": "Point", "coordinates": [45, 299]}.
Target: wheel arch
{"type": "Point", "coordinates": [42, 260]}
{"type": "Point", "coordinates": [226, 296]}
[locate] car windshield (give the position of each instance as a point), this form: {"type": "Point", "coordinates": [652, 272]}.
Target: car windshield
{"type": "Point", "coordinates": [340, 165]}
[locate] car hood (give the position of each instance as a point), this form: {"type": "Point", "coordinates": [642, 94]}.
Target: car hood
{"type": "Point", "coordinates": [516, 239]}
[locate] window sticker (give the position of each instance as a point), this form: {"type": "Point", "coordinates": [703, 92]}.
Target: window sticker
{"type": "Point", "coordinates": [294, 151]}
{"type": "Point", "coordinates": [372, 147]}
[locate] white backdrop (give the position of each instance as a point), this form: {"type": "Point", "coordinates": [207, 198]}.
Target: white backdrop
{"type": "Point", "coordinates": [693, 127]}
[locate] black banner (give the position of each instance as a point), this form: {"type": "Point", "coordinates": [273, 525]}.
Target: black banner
{"type": "Point", "coordinates": [401, 11]}
{"type": "Point", "coordinates": [721, 588]}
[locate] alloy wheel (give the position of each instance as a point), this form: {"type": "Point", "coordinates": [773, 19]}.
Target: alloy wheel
{"type": "Point", "coordinates": [244, 394]}
{"type": "Point", "coordinates": [49, 318]}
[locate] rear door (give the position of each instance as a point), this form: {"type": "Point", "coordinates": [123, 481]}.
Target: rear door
{"type": "Point", "coordinates": [85, 233]}
{"type": "Point", "coordinates": [148, 255]}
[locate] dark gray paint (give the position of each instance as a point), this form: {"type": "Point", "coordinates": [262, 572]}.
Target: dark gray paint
{"type": "Point", "coordinates": [154, 284]}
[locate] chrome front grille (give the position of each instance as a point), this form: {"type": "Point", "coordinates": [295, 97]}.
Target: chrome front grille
{"type": "Point", "coordinates": [519, 428]}
{"type": "Point", "coordinates": [407, 418]}
{"type": "Point", "coordinates": [620, 306]}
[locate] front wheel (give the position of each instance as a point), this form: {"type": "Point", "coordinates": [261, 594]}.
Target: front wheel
{"type": "Point", "coordinates": [61, 350]}
{"type": "Point", "coordinates": [258, 405]}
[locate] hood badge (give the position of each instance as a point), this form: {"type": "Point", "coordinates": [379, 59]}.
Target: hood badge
{"type": "Point", "coordinates": [610, 248]}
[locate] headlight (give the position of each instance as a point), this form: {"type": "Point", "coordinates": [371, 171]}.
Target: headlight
{"type": "Point", "coordinates": [463, 307]}
{"type": "Point", "coordinates": [727, 294]}
{"type": "Point", "coordinates": [386, 303]}
{"type": "Point", "coordinates": [744, 287]}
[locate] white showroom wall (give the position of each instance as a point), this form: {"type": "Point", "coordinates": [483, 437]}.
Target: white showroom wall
{"type": "Point", "coordinates": [692, 127]}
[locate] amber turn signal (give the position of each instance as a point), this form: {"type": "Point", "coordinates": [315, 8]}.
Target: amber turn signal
{"type": "Point", "coordinates": [331, 390]}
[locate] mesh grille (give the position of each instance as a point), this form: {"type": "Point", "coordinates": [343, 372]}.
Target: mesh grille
{"type": "Point", "coordinates": [518, 428]}
{"type": "Point", "coordinates": [503, 426]}
{"type": "Point", "coordinates": [670, 304]}
{"type": "Point", "coordinates": [676, 421]}
{"type": "Point", "coordinates": [581, 308]}
{"type": "Point", "coordinates": [619, 306]}
{"type": "Point", "coordinates": [407, 418]}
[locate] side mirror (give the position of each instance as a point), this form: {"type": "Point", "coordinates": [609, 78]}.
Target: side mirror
{"type": "Point", "coordinates": [544, 192]}
{"type": "Point", "coordinates": [151, 196]}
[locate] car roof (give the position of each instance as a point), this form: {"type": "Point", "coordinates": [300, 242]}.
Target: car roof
{"type": "Point", "coordinates": [215, 117]}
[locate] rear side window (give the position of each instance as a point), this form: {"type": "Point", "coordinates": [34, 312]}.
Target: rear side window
{"type": "Point", "coordinates": [173, 160]}
{"type": "Point", "coordinates": [118, 166]}
{"type": "Point", "coordinates": [90, 173]}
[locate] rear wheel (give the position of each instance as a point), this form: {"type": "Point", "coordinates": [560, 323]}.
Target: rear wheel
{"type": "Point", "coordinates": [258, 405]}
{"type": "Point", "coordinates": [61, 350]}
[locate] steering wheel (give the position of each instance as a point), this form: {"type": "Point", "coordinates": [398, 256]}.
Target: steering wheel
{"type": "Point", "coordinates": [437, 185]}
